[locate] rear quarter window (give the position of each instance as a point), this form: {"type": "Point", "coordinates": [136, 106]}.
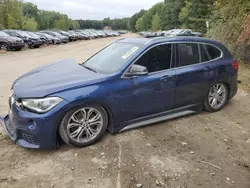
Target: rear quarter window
{"type": "Point", "coordinates": [209, 52]}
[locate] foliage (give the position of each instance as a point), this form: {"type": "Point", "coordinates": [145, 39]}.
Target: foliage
{"type": "Point", "coordinates": [16, 14]}
{"type": "Point", "coordinates": [29, 24]}
{"type": "Point", "coordinates": [30, 10]}
{"type": "Point", "coordinates": [134, 19]}
{"type": "Point", "coordinates": [145, 22]}
{"type": "Point", "coordinates": [11, 14]}
{"type": "Point", "coordinates": [195, 14]}
{"type": "Point", "coordinates": [170, 14]}
{"type": "Point", "coordinates": [229, 20]}
{"type": "Point", "coordinates": [140, 24]}
{"type": "Point", "coordinates": [245, 34]}
{"type": "Point", "coordinates": [74, 25]}
{"type": "Point", "coordinates": [227, 25]}
{"type": "Point", "coordinates": [62, 23]}
{"type": "Point", "coordinates": [100, 24]}
{"type": "Point", "coordinates": [156, 22]}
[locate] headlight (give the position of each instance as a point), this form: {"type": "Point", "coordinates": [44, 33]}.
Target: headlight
{"type": "Point", "coordinates": [41, 105]}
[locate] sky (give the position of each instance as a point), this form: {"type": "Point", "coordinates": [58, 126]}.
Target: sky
{"type": "Point", "coordinates": [95, 9]}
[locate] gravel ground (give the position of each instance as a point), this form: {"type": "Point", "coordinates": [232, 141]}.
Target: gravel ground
{"type": "Point", "coordinates": [204, 150]}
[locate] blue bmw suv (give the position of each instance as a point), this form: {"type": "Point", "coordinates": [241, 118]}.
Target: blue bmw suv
{"type": "Point", "coordinates": [130, 83]}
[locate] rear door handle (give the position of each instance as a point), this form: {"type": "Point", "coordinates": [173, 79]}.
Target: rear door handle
{"type": "Point", "coordinates": [207, 68]}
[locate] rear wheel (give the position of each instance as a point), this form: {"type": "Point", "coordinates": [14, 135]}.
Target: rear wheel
{"type": "Point", "coordinates": [217, 97]}
{"type": "Point", "coordinates": [84, 126]}
{"type": "Point", "coordinates": [4, 47]}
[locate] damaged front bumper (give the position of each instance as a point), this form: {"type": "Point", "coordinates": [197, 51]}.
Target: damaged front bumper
{"type": "Point", "coordinates": [15, 135]}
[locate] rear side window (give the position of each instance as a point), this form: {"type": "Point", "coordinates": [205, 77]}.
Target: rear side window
{"type": "Point", "coordinates": [187, 54]}
{"type": "Point", "coordinates": [209, 52]}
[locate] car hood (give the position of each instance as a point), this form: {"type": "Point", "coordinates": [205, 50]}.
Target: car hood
{"type": "Point", "coordinates": [11, 39]}
{"type": "Point", "coordinates": [54, 77]}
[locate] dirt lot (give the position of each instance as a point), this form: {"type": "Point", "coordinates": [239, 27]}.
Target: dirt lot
{"type": "Point", "coordinates": [204, 150]}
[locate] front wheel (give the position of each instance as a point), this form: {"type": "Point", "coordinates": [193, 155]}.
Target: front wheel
{"type": "Point", "coordinates": [216, 98]}
{"type": "Point", "coordinates": [84, 126]}
{"type": "Point", "coordinates": [4, 47]}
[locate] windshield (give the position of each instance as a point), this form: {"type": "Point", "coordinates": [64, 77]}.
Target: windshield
{"type": "Point", "coordinates": [32, 35]}
{"type": "Point", "coordinates": [23, 33]}
{"type": "Point", "coordinates": [112, 58]}
{"type": "Point", "coordinates": [3, 34]}
{"type": "Point", "coordinates": [46, 35]}
{"type": "Point", "coordinates": [65, 33]}
{"type": "Point", "coordinates": [55, 34]}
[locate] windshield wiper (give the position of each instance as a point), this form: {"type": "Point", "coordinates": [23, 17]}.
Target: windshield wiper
{"type": "Point", "coordinates": [93, 70]}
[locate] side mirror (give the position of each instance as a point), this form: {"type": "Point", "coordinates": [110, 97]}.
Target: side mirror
{"type": "Point", "coordinates": [137, 70]}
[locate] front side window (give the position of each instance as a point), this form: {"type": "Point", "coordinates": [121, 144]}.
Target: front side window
{"type": "Point", "coordinates": [112, 58]}
{"type": "Point", "coordinates": [156, 59]}
{"type": "Point", "coordinates": [209, 52]}
{"type": "Point", "coordinates": [187, 54]}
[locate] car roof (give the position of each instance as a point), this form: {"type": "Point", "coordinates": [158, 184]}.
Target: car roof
{"type": "Point", "coordinates": [147, 42]}
{"type": "Point", "coordinates": [157, 40]}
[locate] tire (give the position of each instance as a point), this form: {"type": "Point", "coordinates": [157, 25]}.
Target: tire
{"type": "Point", "coordinates": [4, 47]}
{"type": "Point", "coordinates": [210, 105]}
{"type": "Point", "coordinates": [77, 140]}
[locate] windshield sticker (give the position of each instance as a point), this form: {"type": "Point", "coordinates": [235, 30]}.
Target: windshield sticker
{"type": "Point", "coordinates": [130, 52]}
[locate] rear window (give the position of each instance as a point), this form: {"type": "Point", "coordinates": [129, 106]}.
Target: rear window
{"type": "Point", "coordinates": [209, 52]}
{"type": "Point", "coordinates": [187, 54]}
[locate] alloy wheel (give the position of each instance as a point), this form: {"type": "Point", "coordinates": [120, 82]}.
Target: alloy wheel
{"type": "Point", "coordinates": [4, 47]}
{"type": "Point", "coordinates": [85, 125]}
{"type": "Point", "coordinates": [217, 96]}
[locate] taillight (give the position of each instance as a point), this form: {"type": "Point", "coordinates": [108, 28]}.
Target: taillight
{"type": "Point", "coordinates": [235, 65]}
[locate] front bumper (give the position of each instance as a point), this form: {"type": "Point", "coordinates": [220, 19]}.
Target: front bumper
{"type": "Point", "coordinates": [65, 40]}
{"type": "Point", "coordinates": [31, 130]}
{"type": "Point", "coordinates": [35, 43]}
{"type": "Point", "coordinates": [16, 45]}
{"type": "Point", "coordinates": [21, 138]}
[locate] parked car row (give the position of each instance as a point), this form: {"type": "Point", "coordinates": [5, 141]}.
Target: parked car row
{"type": "Point", "coordinates": [17, 39]}
{"type": "Point", "coordinates": [122, 31]}
{"type": "Point", "coordinates": [173, 32]}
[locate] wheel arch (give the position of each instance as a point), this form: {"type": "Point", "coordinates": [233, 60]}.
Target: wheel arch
{"type": "Point", "coordinates": [107, 109]}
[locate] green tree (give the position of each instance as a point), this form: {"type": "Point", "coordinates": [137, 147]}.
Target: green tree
{"type": "Point", "coordinates": [227, 25]}
{"type": "Point", "coordinates": [147, 20]}
{"type": "Point", "coordinates": [11, 14]}
{"type": "Point", "coordinates": [74, 25]}
{"type": "Point", "coordinates": [134, 19]}
{"type": "Point", "coordinates": [148, 15]}
{"type": "Point", "coordinates": [30, 10]}
{"type": "Point", "coordinates": [195, 14]}
{"type": "Point", "coordinates": [62, 23]}
{"type": "Point", "coordinates": [140, 25]}
{"type": "Point", "coordinates": [156, 22]}
{"type": "Point", "coordinates": [30, 24]}
{"type": "Point", "coordinates": [170, 14]}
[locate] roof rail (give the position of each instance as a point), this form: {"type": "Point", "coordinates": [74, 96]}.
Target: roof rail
{"type": "Point", "coordinates": [120, 39]}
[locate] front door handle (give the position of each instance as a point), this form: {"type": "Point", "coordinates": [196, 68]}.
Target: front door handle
{"type": "Point", "coordinates": [165, 78]}
{"type": "Point", "coordinates": [207, 68]}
